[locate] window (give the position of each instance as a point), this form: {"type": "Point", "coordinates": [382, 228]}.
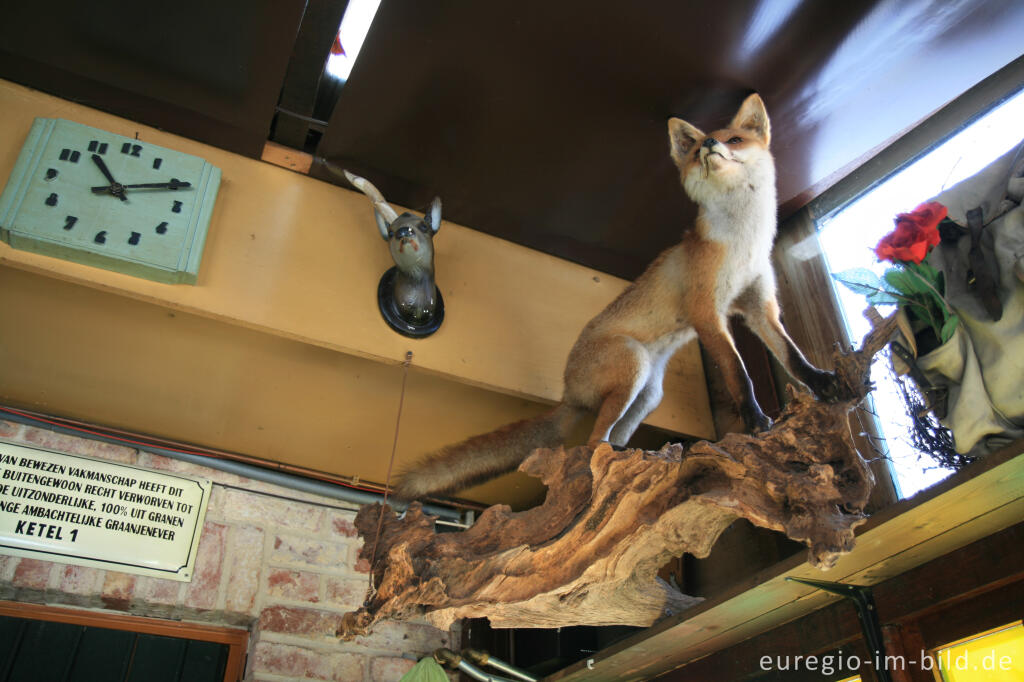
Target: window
{"type": "Point", "coordinates": [849, 234]}
{"type": "Point", "coordinates": [994, 656]}
{"type": "Point", "coordinates": [355, 24]}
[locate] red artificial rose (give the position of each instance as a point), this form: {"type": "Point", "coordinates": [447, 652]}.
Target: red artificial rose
{"type": "Point", "coordinates": [916, 232]}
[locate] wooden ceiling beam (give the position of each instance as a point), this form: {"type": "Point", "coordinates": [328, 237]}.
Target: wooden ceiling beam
{"type": "Point", "coordinates": [297, 258]}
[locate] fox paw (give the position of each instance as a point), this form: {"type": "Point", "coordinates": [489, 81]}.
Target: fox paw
{"type": "Point", "coordinates": [756, 421]}
{"type": "Point", "coordinates": [827, 387]}
{"type": "Point", "coordinates": [763, 425]}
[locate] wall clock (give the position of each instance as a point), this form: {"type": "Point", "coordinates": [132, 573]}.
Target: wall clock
{"type": "Point", "coordinates": [93, 197]}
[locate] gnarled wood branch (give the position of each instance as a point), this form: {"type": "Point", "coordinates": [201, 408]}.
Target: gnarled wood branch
{"type": "Point", "coordinates": [590, 553]}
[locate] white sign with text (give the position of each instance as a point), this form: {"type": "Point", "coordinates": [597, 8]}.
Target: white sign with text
{"type": "Point", "coordinates": [91, 512]}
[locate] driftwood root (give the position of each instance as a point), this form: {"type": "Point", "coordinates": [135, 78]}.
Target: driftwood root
{"type": "Point", "coordinates": [590, 553]}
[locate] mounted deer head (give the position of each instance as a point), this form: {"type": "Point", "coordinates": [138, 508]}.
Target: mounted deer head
{"type": "Point", "coordinates": [408, 297]}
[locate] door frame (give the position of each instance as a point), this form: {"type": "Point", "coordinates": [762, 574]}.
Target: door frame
{"type": "Point", "coordinates": [236, 639]}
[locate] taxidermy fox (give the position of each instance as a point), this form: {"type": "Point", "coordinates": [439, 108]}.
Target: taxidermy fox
{"type": "Point", "coordinates": [614, 372]}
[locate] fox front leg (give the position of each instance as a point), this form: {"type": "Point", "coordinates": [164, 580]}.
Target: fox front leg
{"type": "Point", "coordinates": [762, 315]}
{"type": "Point", "coordinates": [714, 334]}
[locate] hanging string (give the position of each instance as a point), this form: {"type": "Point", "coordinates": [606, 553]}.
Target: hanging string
{"type": "Point", "coordinates": [387, 479]}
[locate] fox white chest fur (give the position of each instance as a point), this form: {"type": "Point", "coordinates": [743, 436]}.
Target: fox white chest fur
{"type": "Point", "coordinates": [737, 212]}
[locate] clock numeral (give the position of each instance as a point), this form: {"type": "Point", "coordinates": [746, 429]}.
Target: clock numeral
{"type": "Point", "coordinates": [157, 162]}
{"type": "Point", "coordinates": [69, 155]}
{"type": "Point", "coordinates": [131, 149]}
{"type": "Point", "coordinates": [98, 147]}
{"type": "Point", "coordinates": [161, 228]}
{"type": "Point", "coordinates": [101, 237]}
{"type": "Point", "coordinates": [136, 149]}
{"type": "Point", "coordinates": [51, 173]}
{"type": "Point", "coordinates": [52, 199]}
{"type": "Point", "coordinates": [176, 208]}
{"type": "Point", "coordinates": [134, 239]}
{"type": "Point", "coordinates": [69, 222]}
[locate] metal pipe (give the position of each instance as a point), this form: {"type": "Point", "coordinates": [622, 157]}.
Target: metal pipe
{"type": "Point", "coordinates": [447, 657]}
{"type": "Point", "coordinates": [477, 674]}
{"type": "Point", "coordinates": [485, 660]}
{"type": "Point", "coordinates": [290, 481]}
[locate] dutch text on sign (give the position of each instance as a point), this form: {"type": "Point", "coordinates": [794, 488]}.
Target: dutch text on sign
{"type": "Point", "coordinates": [80, 510]}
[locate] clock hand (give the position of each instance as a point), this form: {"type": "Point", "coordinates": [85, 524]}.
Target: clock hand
{"type": "Point", "coordinates": [173, 184]}
{"type": "Point", "coordinates": [115, 188]}
{"type": "Point", "coordinates": [98, 160]}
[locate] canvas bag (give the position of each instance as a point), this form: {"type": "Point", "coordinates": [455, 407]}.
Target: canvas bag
{"type": "Point", "coordinates": [982, 365]}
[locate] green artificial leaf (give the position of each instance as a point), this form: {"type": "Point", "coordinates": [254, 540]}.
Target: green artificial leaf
{"type": "Point", "coordinates": [926, 270]}
{"type": "Point", "coordinates": [948, 328]}
{"type": "Point", "coordinates": [905, 282]}
{"type": "Point", "coordinates": [940, 305]}
{"type": "Point", "coordinates": [866, 283]}
{"type": "Point", "coordinates": [884, 298]}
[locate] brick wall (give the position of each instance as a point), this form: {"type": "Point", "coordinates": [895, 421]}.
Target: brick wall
{"type": "Point", "coordinates": [281, 562]}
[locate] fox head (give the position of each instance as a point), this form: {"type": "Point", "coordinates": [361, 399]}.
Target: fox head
{"type": "Point", "coordinates": [734, 157]}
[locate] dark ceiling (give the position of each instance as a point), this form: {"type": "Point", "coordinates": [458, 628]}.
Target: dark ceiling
{"type": "Point", "coordinates": [545, 122]}
{"type": "Point", "coordinates": [541, 122]}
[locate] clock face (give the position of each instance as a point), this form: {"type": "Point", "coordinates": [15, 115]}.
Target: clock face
{"type": "Point", "coordinates": [91, 196]}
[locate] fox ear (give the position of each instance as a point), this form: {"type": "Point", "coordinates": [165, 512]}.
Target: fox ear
{"type": "Point", "coordinates": [681, 138]}
{"type": "Point", "coordinates": [752, 116]}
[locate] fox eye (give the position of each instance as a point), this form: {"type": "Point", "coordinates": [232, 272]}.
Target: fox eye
{"type": "Point", "coordinates": [735, 140]}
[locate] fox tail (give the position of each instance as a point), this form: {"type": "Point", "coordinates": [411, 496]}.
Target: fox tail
{"type": "Point", "coordinates": [480, 458]}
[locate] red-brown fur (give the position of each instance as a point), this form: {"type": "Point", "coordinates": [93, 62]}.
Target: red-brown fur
{"type": "Point", "coordinates": [615, 369]}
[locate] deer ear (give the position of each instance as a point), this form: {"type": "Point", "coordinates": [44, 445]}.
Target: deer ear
{"type": "Point", "coordinates": [434, 215]}
{"type": "Point", "coordinates": [681, 138]}
{"type": "Point", "coordinates": [752, 116]}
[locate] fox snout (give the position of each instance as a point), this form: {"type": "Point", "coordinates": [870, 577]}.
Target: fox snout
{"type": "Point", "coordinates": [708, 147]}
